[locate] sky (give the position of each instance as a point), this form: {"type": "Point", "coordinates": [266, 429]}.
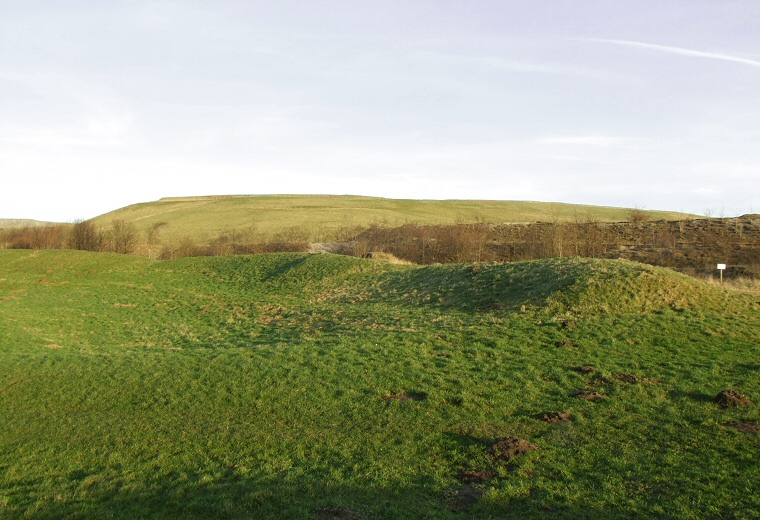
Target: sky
{"type": "Point", "coordinates": [645, 104]}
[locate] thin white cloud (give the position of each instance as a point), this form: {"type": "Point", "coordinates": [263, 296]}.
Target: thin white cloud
{"type": "Point", "coordinates": [589, 140]}
{"type": "Point", "coordinates": [679, 50]}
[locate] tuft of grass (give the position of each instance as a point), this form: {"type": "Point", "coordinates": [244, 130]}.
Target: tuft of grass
{"type": "Point", "coordinates": [741, 284]}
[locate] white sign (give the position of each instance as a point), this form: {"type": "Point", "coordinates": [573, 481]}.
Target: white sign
{"type": "Point", "coordinates": [721, 266]}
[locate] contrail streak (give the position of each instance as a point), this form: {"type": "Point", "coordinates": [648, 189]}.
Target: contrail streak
{"type": "Point", "coordinates": [679, 50]}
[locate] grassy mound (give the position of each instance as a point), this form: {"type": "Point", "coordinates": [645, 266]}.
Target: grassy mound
{"type": "Point", "coordinates": [318, 386]}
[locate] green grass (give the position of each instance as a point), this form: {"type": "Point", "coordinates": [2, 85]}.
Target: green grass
{"type": "Point", "coordinates": [321, 218]}
{"type": "Point", "coordinates": [260, 387]}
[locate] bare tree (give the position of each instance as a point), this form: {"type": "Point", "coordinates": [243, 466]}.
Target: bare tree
{"type": "Point", "coordinates": [152, 236]}
{"type": "Point", "coordinates": [85, 236]}
{"type": "Point", "coordinates": [637, 214]}
{"type": "Point", "coordinates": [122, 237]}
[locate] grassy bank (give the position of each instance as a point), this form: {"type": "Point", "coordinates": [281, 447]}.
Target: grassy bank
{"type": "Point", "coordinates": [319, 386]}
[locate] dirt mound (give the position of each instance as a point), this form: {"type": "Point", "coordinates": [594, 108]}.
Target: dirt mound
{"type": "Point", "coordinates": [463, 499]}
{"type": "Point", "coordinates": [599, 380]}
{"type": "Point", "coordinates": [509, 447]}
{"type": "Point", "coordinates": [588, 395]}
{"type": "Point", "coordinates": [633, 378]}
{"type": "Point", "coordinates": [555, 417]}
{"type": "Point", "coordinates": [406, 396]}
{"type": "Point", "coordinates": [476, 476]}
{"type": "Point", "coordinates": [730, 398]}
{"type": "Point", "coordinates": [567, 343]}
{"type": "Point", "coordinates": [748, 427]}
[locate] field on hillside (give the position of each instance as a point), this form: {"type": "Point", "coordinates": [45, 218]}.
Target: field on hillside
{"type": "Point", "coordinates": [320, 387]}
{"type": "Point", "coordinates": [317, 218]}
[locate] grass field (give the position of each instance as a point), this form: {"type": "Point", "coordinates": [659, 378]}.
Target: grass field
{"type": "Point", "coordinates": [318, 386]}
{"type": "Point", "coordinates": [321, 218]}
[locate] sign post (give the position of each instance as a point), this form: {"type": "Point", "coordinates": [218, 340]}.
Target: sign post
{"type": "Point", "coordinates": [721, 268]}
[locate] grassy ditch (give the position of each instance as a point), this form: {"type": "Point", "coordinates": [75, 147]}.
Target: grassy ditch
{"type": "Point", "coordinates": [320, 386]}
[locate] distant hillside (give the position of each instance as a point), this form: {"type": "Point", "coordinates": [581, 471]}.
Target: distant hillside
{"type": "Point", "coordinates": [13, 223]}
{"type": "Point", "coordinates": [324, 218]}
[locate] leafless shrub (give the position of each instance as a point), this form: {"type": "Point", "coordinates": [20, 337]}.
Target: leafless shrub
{"type": "Point", "coordinates": [122, 237]}
{"type": "Point", "coordinates": [34, 237]}
{"type": "Point", "coordinates": [229, 241]}
{"type": "Point", "coordinates": [638, 215]}
{"type": "Point", "coordinates": [84, 236]}
{"type": "Point", "coordinates": [153, 236]}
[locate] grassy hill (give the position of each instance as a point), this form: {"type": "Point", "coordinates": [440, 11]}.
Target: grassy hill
{"type": "Point", "coordinates": [319, 387]}
{"type": "Point", "coordinates": [15, 223]}
{"type": "Point", "coordinates": [321, 218]}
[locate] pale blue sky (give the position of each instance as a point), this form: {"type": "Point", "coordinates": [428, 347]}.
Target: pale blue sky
{"type": "Point", "coordinates": [653, 104]}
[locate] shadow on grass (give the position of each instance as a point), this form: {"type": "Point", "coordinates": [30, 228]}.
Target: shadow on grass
{"type": "Point", "coordinates": [481, 287]}
{"type": "Point", "coordinates": [233, 497]}
{"type": "Point", "coordinates": [700, 397]}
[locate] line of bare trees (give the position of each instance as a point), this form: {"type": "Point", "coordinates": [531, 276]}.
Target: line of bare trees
{"type": "Point", "coordinates": [687, 244]}
{"type": "Point", "coordinates": [691, 244]}
{"type": "Point", "coordinates": [120, 237]}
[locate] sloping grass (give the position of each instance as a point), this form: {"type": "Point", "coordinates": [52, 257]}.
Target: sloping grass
{"type": "Point", "coordinates": [321, 218]}
{"type": "Point", "coordinates": [319, 386]}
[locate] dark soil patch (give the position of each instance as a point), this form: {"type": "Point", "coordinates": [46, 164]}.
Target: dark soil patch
{"type": "Point", "coordinates": [730, 398]}
{"type": "Point", "coordinates": [599, 380]}
{"type": "Point", "coordinates": [568, 324]}
{"type": "Point", "coordinates": [510, 447]}
{"type": "Point", "coordinates": [555, 417]}
{"type": "Point", "coordinates": [476, 476]}
{"type": "Point", "coordinates": [337, 513]}
{"type": "Point", "coordinates": [748, 427]}
{"type": "Point", "coordinates": [463, 499]}
{"type": "Point", "coordinates": [587, 395]}
{"type": "Point", "coordinates": [567, 343]}
{"type": "Point", "coordinates": [406, 396]}
{"type": "Point", "coordinates": [586, 369]}
{"type": "Point", "coordinates": [633, 378]}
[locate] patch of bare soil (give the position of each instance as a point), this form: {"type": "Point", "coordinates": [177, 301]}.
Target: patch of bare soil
{"type": "Point", "coordinates": [599, 380]}
{"type": "Point", "coordinates": [463, 499]}
{"type": "Point", "coordinates": [54, 345]}
{"type": "Point", "coordinates": [406, 396]}
{"type": "Point", "coordinates": [586, 369]}
{"type": "Point", "coordinates": [510, 447]}
{"type": "Point", "coordinates": [555, 417]}
{"type": "Point", "coordinates": [567, 343]}
{"type": "Point", "coordinates": [569, 324]}
{"type": "Point", "coordinates": [476, 476]}
{"type": "Point", "coordinates": [730, 398]}
{"type": "Point", "coordinates": [338, 513]}
{"type": "Point", "coordinates": [748, 427]}
{"type": "Point", "coordinates": [588, 395]}
{"type": "Point", "coordinates": [634, 378]}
